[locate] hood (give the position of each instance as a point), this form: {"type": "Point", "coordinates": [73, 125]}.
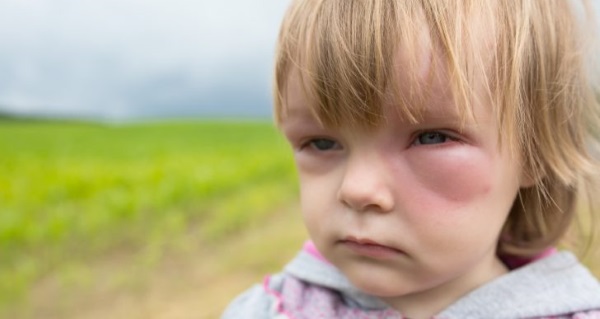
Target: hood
{"type": "Point", "coordinates": [555, 285]}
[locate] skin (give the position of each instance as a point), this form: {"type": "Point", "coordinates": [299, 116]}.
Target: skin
{"type": "Point", "coordinates": [433, 195]}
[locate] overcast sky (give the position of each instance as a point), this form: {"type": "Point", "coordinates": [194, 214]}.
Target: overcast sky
{"type": "Point", "coordinates": [119, 59]}
{"type": "Point", "coordinates": [129, 58]}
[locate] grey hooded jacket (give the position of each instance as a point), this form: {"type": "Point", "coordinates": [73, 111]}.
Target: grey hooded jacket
{"type": "Point", "coordinates": [557, 286]}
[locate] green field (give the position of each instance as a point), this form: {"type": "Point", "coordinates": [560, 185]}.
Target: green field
{"type": "Point", "coordinates": [73, 193]}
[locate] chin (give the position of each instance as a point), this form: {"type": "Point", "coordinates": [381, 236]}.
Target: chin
{"type": "Point", "coordinates": [378, 285]}
{"type": "Point", "coordinates": [381, 290]}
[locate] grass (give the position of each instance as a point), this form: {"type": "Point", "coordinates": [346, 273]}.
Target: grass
{"type": "Point", "coordinates": [73, 192]}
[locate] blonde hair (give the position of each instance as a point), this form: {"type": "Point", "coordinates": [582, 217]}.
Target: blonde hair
{"type": "Point", "coordinates": [536, 67]}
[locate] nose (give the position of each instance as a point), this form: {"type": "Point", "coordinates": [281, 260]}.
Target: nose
{"type": "Point", "coordinates": [365, 186]}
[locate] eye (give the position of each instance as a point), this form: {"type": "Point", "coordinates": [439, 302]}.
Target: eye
{"type": "Point", "coordinates": [322, 144]}
{"type": "Point", "coordinates": [429, 138]}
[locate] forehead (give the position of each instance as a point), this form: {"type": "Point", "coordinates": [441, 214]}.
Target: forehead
{"type": "Point", "coordinates": [297, 99]}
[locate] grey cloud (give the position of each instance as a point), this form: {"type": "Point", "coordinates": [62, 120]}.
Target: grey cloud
{"type": "Point", "coordinates": [137, 57]}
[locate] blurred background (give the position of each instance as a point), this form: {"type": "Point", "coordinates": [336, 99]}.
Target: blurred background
{"type": "Point", "coordinates": [140, 174]}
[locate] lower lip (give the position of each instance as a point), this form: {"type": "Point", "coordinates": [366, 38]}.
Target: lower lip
{"type": "Point", "coordinates": [372, 250]}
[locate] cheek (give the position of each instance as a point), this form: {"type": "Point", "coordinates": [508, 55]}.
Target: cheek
{"type": "Point", "coordinates": [454, 197]}
{"type": "Point", "coordinates": [456, 175]}
{"type": "Point", "coordinates": [315, 201]}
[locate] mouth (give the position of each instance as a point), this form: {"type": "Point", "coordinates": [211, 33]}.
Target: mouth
{"type": "Point", "coordinates": [369, 248]}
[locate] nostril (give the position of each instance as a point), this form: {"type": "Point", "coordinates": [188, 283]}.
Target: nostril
{"type": "Point", "coordinates": [361, 197]}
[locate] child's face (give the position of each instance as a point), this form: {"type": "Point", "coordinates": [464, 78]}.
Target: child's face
{"type": "Point", "coordinates": [407, 210]}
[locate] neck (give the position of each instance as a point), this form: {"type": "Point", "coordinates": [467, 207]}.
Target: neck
{"type": "Point", "coordinates": [426, 304]}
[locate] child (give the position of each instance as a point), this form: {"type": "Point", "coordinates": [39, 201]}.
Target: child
{"type": "Point", "coordinates": [443, 148]}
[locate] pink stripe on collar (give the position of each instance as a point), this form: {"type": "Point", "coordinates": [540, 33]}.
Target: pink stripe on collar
{"type": "Point", "coordinates": [279, 306]}
{"type": "Point", "coordinates": [310, 248]}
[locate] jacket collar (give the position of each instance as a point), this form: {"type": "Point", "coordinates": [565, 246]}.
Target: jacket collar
{"type": "Point", "coordinates": [555, 285]}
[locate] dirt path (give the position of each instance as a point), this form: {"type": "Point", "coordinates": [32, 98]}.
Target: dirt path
{"type": "Point", "coordinates": [195, 285]}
